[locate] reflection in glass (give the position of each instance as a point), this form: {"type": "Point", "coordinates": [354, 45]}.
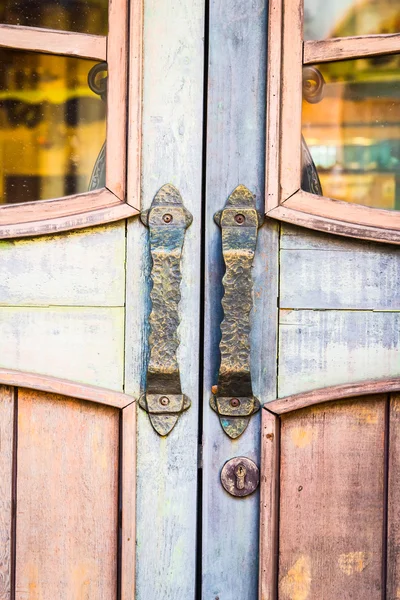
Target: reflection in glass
{"type": "Point", "coordinates": [83, 16]}
{"type": "Point", "coordinates": [352, 129]}
{"type": "Point", "coordinates": [342, 18]}
{"type": "Point", "coordinates": [52, 126]}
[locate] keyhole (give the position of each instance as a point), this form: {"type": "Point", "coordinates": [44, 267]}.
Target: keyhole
{"type": "Point", "coordinates": [240, 477]}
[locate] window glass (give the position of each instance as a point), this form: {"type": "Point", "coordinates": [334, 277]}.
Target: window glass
{"type": "Point", "coordinates": [351, 124]}
{"type": "Point", "coordinates": [84, 16]}
{"type": "Point", "coordinates": [52, 126]}
{"type": "Point", "coordinates": [341, 18]}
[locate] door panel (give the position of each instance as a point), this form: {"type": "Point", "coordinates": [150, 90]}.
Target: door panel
{"type": "Point", "coordinates": [393, 555]}
{"type": "Point", "coordinates": [325, 497]}
{"type": "Point", "coordinates": [67, 498]}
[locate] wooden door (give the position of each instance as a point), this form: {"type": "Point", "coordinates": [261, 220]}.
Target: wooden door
{"type": "Point", "coordinates": [329, 522]}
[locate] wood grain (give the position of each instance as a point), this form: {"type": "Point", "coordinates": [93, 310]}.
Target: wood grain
{"type": "Point", "coordinates": [332, 501]}
{"type": "Point", "coordinates": [79, 268]}
{"type": "Point", "coordinates": [6, 481]}
{"type": "Point", "coordinates": [128, 526]}
{"type": "Point", "coordinates": [172, 135]}
{"type": "Point", "coordinates": [43, 383]}
{"type": "Point", "coordinates": [350, 47]}
{"type": "Point", "coordinates": [49, 41]}
{"type": "Point", "coordinates": [332, 272]}
{"type": "Point", "coordinates": [291, 93]}
{"type": "Point", "coordinates": [269, 506]}
{"type": "Point", "coordinates": [273, 120]}
{"type": "Point", "coordinates": [236, 125]}
{"type": "Point", "coordinates": [117, 53]}
{"type": "Point", "coordinates": [85, 345]}
{"type": "Point", "coordinates": [67, 499]}
{"type": "Point", "coordinates": [393, 514]}
{"type": "Point", "coordinates": [333, 393]}
{"type": "Point", "coordinates": [321, 348]}
{"type": "Point", "coordinates": [337, 227]}
{"type": "Point", "coordinates": [135, 89]}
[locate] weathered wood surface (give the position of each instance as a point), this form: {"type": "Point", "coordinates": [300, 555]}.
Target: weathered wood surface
{"type": "Point", "coordinates": [235, 155]}
{"type": "Point", "coordinates": [171, 153]}
{"type": "Point", "coordinates": [332, 501]}
{"type": "Point", "coordinates": [6, 491]}
{"type": "Point", "coordinates": [84, 344]}
{"type": "Point", "coordinates": [128, 498]}
{"type": "Point", "coordinates": [269, 505]}
{"type": "Point", "coordinates": [67, 499]}
{"type": "Point", "coordinates": [393, 513]}
{"type": "Point", "coordinates": [84, 268]}
{"type": "Point", "coordinates": [319, 348]}
{"type": "Point", "coordinates": [350, 47]}
{"type": "Point", "coordinates": [320, 271]}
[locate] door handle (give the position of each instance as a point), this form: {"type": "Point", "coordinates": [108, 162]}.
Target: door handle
{"type": "Point", "coordinates": [232, 398]}
{"type": "Point", "coordinates": [167, 220]}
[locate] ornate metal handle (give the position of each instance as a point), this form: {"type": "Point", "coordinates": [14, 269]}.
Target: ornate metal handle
{"type": "Point", "coordinates": [233, 398]}
{"type": "Point", "coordinates": [167, 220]}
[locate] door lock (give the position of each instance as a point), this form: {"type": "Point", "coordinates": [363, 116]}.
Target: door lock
{"type": "Point", "coordinates": [240, 476]}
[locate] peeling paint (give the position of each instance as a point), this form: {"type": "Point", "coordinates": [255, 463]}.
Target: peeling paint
{"type": "Point", "coordinates": [296, 584]}
{"type": "Point", "coordinates": [354, 562]}
{"type": "Point", "coordinates": [301, 436]}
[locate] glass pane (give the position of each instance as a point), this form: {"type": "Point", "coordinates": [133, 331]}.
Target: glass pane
{"type": "Point", "coordinates": [52, 126]}
{"type": "Point", "coordinates": [351, 124]}
{"type": "Point", "coordinates": [84, 16]}
{"type": "Point", "coordinates": [341, 18]}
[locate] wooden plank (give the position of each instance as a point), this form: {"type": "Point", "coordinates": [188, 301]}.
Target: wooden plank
{"type": "Point", "coordinates": [171, 153]}
{"type": "Point", "coordinates": [335, 392]}
{"type": "Point", "coordinates": [269, 506]}
{"type": "Point", "coordinates": [67, 499]}
{"type": "Point", "coordinates": [350, 47]}
{"type": "Point", "coordinates": [135, 103]}
{"type": "Point", "coordinates": [273, 122]}
{"type": "Point", "coordinates": [83, 268]}
{"type": "Point", "coordinates": [323, 348]}
{"type": "Point", "coordinates": [50, 41]}
{"type": "Point", "coordinates": [291, 82]}
{"type": "Point", "coordinates": [393, 524]}
{"type": "Point", "coordinates": [235, 155]}
{"type": "Point", "coordinates": [332, 272]}
{"type": "Point", "coordinates": [128, 534]}
{"type": "Point", "coordinates": [6, 491]}
{"type": "Point", "coordinates": [332, 501]}
{"type": "Point", "coordinates": [43, 383]}
{"type": "Point", "coordinates": [117, 53]}
{"type": "Point", "coordinates": [80, 344]}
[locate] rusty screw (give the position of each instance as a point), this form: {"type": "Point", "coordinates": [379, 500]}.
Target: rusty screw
{"type": "Point", "coordinates": [164, 401]}
{"type": "Point", "coordinates": [235, 402]}
{"type": "Point", "coordinates": [167, 218]}
{"type": "Point", "coordinates": [240, 219]}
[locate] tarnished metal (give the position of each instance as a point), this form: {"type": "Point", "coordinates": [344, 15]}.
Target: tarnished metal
{"type": "Point", "coordinates": [313, 84]}
{"type": "Point", "coordinates": [232, 399]}
{"type": "Point", "coordinates": [310, 181]}
{"type": "Point", "coordinates": [98, 85]}
{"type": "Point", "coordinates": [167, 220]}
{"type": "Point", "coordinates": [240, 476]}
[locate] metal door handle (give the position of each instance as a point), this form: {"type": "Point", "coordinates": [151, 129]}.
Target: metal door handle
{"type": "Point", "coordinates": [232, 399]}
{"type": "Point", "coordinates": [167, 220]}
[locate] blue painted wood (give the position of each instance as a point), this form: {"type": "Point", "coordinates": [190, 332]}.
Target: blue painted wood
{"type": "Point", "coordinates": [235, 155]}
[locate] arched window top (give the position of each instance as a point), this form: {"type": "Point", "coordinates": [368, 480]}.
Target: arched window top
{"type": "Point", "coordinates": [342, 94]}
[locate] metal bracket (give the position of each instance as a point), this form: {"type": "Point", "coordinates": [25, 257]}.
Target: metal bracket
{"type": "Point", "coordinates": [233, 398]}
{"type": "Point", "coordinates": [167, 220]}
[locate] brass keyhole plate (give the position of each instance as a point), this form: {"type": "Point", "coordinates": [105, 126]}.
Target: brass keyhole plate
{"type": "Point", "coordinates": [240, 476]}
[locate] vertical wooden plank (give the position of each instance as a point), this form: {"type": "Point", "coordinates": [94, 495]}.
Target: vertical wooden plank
{"type": "Point", "coordinates": [67, 498]}
{"type": "Point", "coordinates": [128, 495]}
{"type": "Point", "coordinates": [235, 155]}
{"type": "Point", "coordinates": [332, 495]}
{"type": "Point", "coordinates": [6, 478]}
{"type": "Point", "coordinates": [171, 153]}
{"type": "Point", "coordinates": [393, 515]}
{"type": "Point", "coordinates": [269, 506]}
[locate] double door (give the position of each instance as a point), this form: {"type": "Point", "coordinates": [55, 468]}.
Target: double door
{"type": "Point", "coordinates": [145, 452]}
